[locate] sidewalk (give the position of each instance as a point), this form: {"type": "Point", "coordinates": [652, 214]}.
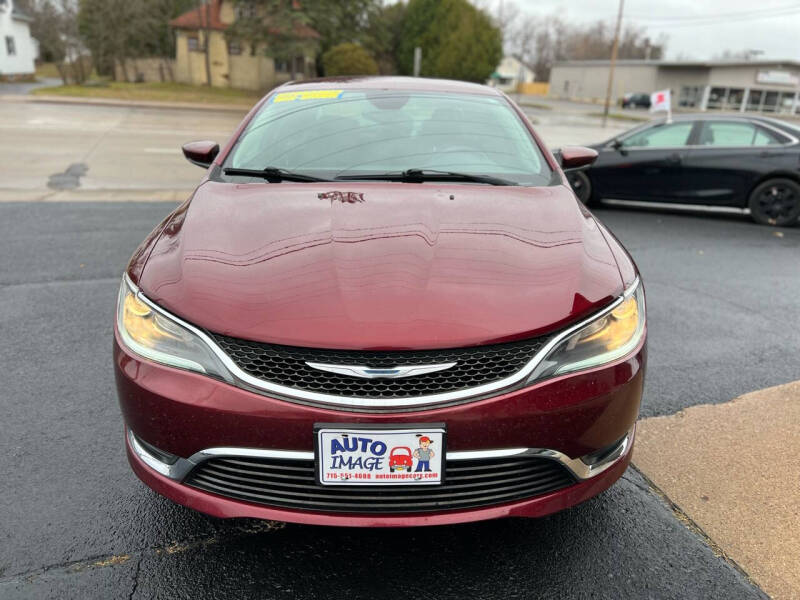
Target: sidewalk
{"type": "Point", "coordinates": [732, 471]}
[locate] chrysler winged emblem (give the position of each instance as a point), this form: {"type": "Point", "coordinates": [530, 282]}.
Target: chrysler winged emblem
{"type": "Point", "coordinates": [376, 373]}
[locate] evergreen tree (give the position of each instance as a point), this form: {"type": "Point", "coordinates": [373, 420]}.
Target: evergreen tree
{"type": "Point", "coordinates": [458, 41]}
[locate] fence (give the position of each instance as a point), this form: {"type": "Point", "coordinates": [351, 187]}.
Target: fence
{"type": "Point", "coordinates": [536, 88]}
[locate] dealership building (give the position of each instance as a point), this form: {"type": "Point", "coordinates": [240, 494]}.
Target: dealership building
{"type": "Point", "coordinates": [752, 86]}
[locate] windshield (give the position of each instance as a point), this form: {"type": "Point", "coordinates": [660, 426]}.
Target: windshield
{"type": "Point", "coordinates": [334, 133]}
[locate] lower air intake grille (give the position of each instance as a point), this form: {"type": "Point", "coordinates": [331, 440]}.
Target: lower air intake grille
{"type": "Point", "coordinates": [286, 366]}
{"type": "Point", "coordinates": [471, 483]}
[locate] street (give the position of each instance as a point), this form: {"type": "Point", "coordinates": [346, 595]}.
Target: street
{"type": "Point", "coordinates": [124, 149]}
{"type": "Point", "coordinates": [721, 298]}
{"type": "Point", "coordinates": [134, 153]}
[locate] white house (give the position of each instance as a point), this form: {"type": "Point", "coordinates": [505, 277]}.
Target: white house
{"type": "Point", "coordinates": [17, 47]}
{"type": "Point", "coordinates": [510, 73]}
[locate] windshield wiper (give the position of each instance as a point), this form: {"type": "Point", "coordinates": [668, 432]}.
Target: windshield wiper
{"type": "Point", "coordinates": [272, 174]}
{"type": "Point", "coordinates": [420, 175]}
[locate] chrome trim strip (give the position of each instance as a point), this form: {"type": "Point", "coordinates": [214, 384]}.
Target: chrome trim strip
{"type": "Point", "coordinates": [478, 454]}
{"type": "Point", "coordinates": [365, 403]}
{"type": "Point", "coordinates": [774, 128]}
{"type": "Point", "coordinates": [677, 206]}
{"type": "Point", "coordinates": [576, 466]}
{"type": "Point", "coordinates": [204, 455]}
{"type": "Point", "coordinates": [177, 471]}
{"type": "Point", "coordinates": [183, 466]}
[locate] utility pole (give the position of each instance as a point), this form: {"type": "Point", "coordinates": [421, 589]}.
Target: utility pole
{"type": "Point", "coordinates": [417, 61]}
{"type": "Point", "coordinates": [614, 50]}
{"type": "Point", "coordinates": [203, 8]}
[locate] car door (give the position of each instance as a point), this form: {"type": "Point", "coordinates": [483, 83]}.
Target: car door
{"type": "Point", "coordinates": [728, 157]}
{"type": "Point", "coordinates": [646, 164]}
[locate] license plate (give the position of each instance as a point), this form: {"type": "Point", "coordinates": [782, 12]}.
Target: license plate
{"type": "Point", "coordinates": [375, 455]}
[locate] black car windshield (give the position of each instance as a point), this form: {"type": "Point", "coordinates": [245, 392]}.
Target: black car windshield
{"type": "Point", "coordinates": [331, 133]}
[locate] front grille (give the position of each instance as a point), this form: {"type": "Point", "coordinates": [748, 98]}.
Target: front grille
{"type": "Point", "coordinates": [470, 483]}
{"type": "Point", "coordinates": [285, 365]}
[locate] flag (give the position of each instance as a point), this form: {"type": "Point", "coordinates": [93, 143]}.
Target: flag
{"type": "Point", "coordinates": [660, 101]}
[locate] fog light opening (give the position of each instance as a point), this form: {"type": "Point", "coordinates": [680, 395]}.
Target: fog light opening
{"type": "Point", "coordinates": [603, 454]}
{"type": "Point", "coordinates": [153, 457]}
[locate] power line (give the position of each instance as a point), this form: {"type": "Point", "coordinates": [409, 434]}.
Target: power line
{"type": "Point", "coordinates": [721, 19]}
{"type": "Point", "coordinates": [752, 11]}
{"type": "Point", "coordinates": [720, 22]}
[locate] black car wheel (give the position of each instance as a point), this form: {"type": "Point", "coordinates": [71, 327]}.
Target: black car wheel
{"type": "Point", "coordinates": [776, 202]}
{"type": "Point", "coordinates": [582, 186]}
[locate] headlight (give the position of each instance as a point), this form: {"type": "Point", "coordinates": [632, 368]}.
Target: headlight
{"type": "Point", "coordinates": [606, 339]}
{"type": "Point", "coordinates": [160, 338]}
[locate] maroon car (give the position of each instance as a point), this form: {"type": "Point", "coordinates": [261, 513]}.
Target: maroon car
{"type": "Point", "coordinates": [372, 263]}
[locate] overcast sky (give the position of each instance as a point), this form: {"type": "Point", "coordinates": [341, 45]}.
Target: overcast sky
{"type": "Point", "coordinates": [696, 28]}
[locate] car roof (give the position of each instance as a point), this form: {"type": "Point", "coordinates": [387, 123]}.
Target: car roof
{"type": "Point", "coordinates": [719, 116]}
{"type": "Point", "coordinates": [414, 84]}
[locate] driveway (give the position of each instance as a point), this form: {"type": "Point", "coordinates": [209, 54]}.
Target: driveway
{"type": "Point", "coordinates": [25, 87]}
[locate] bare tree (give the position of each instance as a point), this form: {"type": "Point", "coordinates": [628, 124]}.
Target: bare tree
{"type": "Point", "coordinates": [55, 27]}
{"type": "Point", "coordinates": [116, 31]}
{"type": "Point", "coordinates": [275, 30]}
{"type": "Point", "coordinates": [540, 41]}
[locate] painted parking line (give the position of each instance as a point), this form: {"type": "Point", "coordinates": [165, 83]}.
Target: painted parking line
{"type": "Point", "coordinates": [732, 468]}
{"type": "Point", "coordinates": [162, 150]}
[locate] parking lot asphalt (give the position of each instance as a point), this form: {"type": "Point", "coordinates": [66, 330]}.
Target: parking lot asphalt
{"type": "Point", "coordinates": [75, 522]}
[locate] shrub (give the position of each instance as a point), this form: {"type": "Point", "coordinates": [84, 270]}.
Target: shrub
{"type": "Point", "coordinates": [349, 59]}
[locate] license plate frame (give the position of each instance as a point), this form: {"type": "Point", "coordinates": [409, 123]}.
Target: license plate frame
{"type": "Point", "coordinates": [393, 436]}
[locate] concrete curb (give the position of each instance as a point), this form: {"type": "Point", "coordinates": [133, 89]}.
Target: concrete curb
{"type": "Point", "coordinates": [240, 108]}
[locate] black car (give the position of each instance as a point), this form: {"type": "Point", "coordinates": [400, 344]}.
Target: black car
{"type": "Point", "coordinates": [729, 162]}
{"type": "Point", "coordinates": [636, 100]}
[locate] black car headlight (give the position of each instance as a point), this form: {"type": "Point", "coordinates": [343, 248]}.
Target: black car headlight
{"type": "Point", "coordinates": [154, 334]}
{"type": "Point", "coordinates": [615, 333]}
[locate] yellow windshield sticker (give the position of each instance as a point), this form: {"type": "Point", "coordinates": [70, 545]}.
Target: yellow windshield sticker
{"type": "Point", "coordinates": [307, 95]}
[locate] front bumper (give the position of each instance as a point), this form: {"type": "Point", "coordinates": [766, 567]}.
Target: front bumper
{"type": "Point", "coordinates": [186, 414]}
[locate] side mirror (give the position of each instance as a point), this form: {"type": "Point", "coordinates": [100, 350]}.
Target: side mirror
{"type": "Point", "coordinates": [575, 157]}
{"type": "Point", "coordinates": [616, 144]}
{"type": "Point", "coordinates": [202, 153]}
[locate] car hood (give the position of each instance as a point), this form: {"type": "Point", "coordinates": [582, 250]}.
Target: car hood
{"type": "Point", "coordinates": [380, 266]}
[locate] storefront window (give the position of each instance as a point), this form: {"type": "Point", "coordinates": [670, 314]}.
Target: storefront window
{"type": "Point", "coordinates": [786, 102]}
{"type": "Point", "coordinates": [691, 96]}
{"type": "Point", "coordinates": [734, 99]}
{"type": "Point", "coordinates": [770, 102]}
{"type": "Point", "coordinates": [717, 97]}
{"type": "Point", "coordinates": [754, 100]}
